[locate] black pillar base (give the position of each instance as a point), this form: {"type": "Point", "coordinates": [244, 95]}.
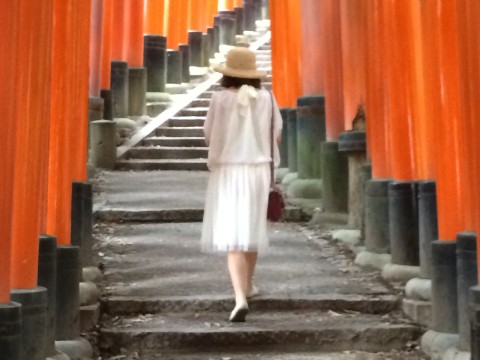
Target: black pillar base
{"type": "Point", "coordinates": [34, 321]}
{"type": "Point", "coordinates": [10, 331]}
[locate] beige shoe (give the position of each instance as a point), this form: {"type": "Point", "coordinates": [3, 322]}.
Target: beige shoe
{"type": "Point", "coordinates": [239, 313]}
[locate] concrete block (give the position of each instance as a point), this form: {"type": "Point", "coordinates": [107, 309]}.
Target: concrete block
{"type": "Point", "coordinates": [400, 273]}
{"type": "Point", "coordinates": [78, 349]}
{"type": "Point", "coordinates": [92, 274]}
{"type": "Point", "coordinates": [370, 259]}
{"type": "Point", "coordinates": [280, 174]}
{"type": "Point", "coordinates": [419, 311]}
{"type": "Point", "coordinates": [435, 344]}
{"type": "Point", "coordinates": [305, 189]}
{"type": "Point", "coordinates": [89, 316]}
{"type": "Point", "coordinates": [349, 237]}
{"type": "Point", "coordinates": [289, 178]}
{"type": "Point", "coordinates": [89, 293]}
{"type": "Point", "coordinates": [455, 354]}
{"type": "Point", "coordinates": [419, 289]}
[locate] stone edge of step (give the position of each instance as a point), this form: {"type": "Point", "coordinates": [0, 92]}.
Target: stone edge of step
{"type": "Point", "coordinates": [379, 337]}
{"type": "Point", "coordinates": [365, 304]}
{"type": "Point", "coordinates": [127, 215]}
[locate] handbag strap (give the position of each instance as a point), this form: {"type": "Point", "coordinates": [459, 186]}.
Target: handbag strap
{"type": "Point", "coordinates": [272, 135]}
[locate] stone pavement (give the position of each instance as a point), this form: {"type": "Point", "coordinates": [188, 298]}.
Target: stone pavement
{"type": "Point", "coordinates": [163, 299]}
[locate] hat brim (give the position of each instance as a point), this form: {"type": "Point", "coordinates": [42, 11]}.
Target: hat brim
{"type": "Point", "coordinates": [239, 73]}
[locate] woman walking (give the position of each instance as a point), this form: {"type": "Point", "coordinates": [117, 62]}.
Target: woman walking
{"type": "Point", "coordinates": [238, 132]}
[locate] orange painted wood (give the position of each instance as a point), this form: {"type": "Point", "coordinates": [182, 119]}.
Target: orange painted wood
{"type": "Point", "coordinates": [79, 132]}
{"type": "Point", "coordinates": [443, 104]}
{"type": "Point", "coordinates": [229, 4]}
{"type": "Point", "coordinates": [354, 44]}
{"type": "Point", "coordinates": [107, 38]}
{"type": "Point", "coordinates": [196, 14]}
{"type": "Point", "coordinates": [119, 29]}
{"type": "Point", "coordinates": [154, 17]}
{"type": "Point", "coordinates": [312, 56]}
{"type": "Point", "coordinates": [280, 73]}
{"type": "Point", "coordinates": [212, 11]}
{"type": "Point", "coordinates": [95, 47]}
{"type": "Point", "coordinates": [8, 84]}
{"type": "Point", "coordinates": [177, 28]}
{"type": "Point", "coordinates": [133, 47]}
{"type": "Point", "coordinates": [469, 57]}
{"type": "Point", "coordinates": [33, 76]}
{"type": "Point", "coordinates": [293, 47]}
{"type": "Point", "coordinates": [398, 71]}
{"type": "Point", "coordinates": [375, 106]}
{"type": "Point", "coordinates": [432, 86]}
{"type": "Point", "coordinates": [61, 125]}
{"type": "Point", "coordinates": [332, 72]}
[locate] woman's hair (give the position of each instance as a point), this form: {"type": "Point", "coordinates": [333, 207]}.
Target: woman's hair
{"type": "Point", "coordinates": [230, 81]}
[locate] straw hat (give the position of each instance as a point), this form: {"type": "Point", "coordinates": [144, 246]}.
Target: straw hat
{"type": "Point", "coordinates": [241, 63]}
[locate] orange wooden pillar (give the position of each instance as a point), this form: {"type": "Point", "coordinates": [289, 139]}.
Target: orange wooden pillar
{"type": "Point", "coordinates": [177, 28]}
{"type": "Point", "coordinates": [228, 4]}
{"type": "Point", "coordinates": [212, 11]}
{"type": "Point", "coordinates": [32, 117]}
{"type": "Point", "coordinates": [353, 48]}
{"type": "Point", "coordinates": [197, 15]}
{"type": "Point", "coordinates": [8, 83]}
{"type": "Point", "coordinates": [96, 47]}
{"type": "Point", "coordinates": [133, 47]}
{"type": "Point", "coordinates": [280, 73]}
{"type": "Point", "coordinates": [63, 92]}
{"type": "Point", "coordinates": [79, 132]}
{"type": "Point", "coordinates": [469, 57]}
{"type": "Point", "coordinates": [449, 169]}
{"type": "Point", "coordinates": [154, 17]}
{"type": "Point", "coordinates": [332, 71]}
{"type": "Point", "coordinates": [376, 106]}
{"type": "Point", "coordinates": [312, 56]}
{"type": "Point", "coordinates": [286, 51]}
{"type": "Point", "coordinates": [119, 28]}
{"type": "Point", "coordinates": [107, 38]}
{"type": "Point", "coordinates": [397, 30]}
{"type": "Point", "coordinates": [294, 47]}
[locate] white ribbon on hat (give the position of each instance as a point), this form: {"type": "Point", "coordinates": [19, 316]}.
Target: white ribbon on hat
{"type": "Point", "coordinates": [244, 96]}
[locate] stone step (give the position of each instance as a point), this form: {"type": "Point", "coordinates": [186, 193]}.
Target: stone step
{"type": "Point", "coordinates": [122, 215]}
{"type": "Point", "coordinates": [215, 87]}
{"type": "Point", "coordinates": [174, 141]}
{"type": "Point", "coordinates": [150, 152]}
{"type": "Point", "coordinates": [206, 95]}
{"type": "Point", "coordinates": [306, 330]}
{"type": "Point", "coordinates": [339, 303]}
{"type": "Point", "coordinates": [407, 354]}
{"type": "Point", "coordinates": [186, 121]}
{"type": "Point", "coordinates": [193, 111]}
{"type": "Point", "coordinates": [192, 131]}
{"type": "Point", "coordinates": [200, 103]}
{"type": "Point", "coordinates": [164, 164]}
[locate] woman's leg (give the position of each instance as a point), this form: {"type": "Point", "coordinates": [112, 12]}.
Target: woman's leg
{"type": "Point", "coordinates": [251, 259]}
{"type": "Point", "coordinates": [238, 267]}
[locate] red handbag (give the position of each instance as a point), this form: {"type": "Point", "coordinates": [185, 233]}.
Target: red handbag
{"type": "Point", "coordinates": [276, 203]}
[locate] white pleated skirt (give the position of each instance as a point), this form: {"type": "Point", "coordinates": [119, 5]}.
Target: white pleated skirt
{"type": "Point", "coordinates": [235, 216]}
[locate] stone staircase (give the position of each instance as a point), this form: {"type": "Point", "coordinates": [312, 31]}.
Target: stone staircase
{"type": "Point", "coordinates": [179, 143]}
{"type": "Point", "coordinates": [163, 299]}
